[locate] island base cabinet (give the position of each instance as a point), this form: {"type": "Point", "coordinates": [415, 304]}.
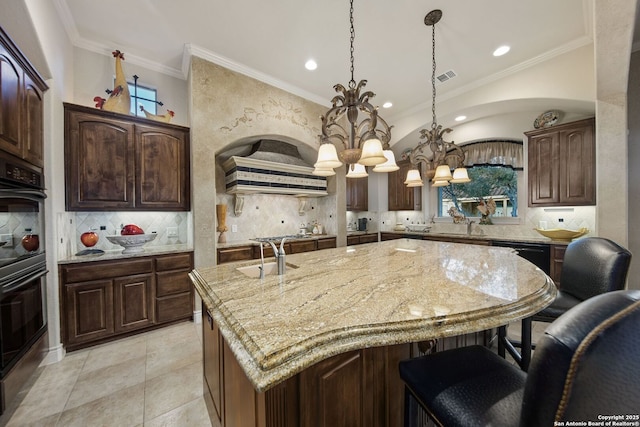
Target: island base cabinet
{"type": "Point", "coordinates": [358, 388]}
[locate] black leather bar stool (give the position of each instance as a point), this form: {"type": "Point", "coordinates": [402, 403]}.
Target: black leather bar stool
{"type": "Point", "coordinates": [592, 266]}
{"type": "Point", "coordinates": [585, 365]}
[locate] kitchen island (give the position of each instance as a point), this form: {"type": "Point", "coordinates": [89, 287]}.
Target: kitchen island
{"type": "Point", "coordinates": [319, 345]}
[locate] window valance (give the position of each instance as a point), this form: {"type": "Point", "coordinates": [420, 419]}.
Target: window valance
{"type": "Point", "coordinates": [494, 152]}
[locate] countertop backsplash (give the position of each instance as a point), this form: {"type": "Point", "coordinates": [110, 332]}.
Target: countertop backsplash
{"type": "Point", "coordinates": [73, 224]}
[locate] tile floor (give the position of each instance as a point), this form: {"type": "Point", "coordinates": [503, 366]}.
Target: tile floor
{"type": "Point", "coordinates": [152, 379]}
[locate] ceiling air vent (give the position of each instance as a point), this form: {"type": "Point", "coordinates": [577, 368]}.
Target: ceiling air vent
{"type": "Point", "coordinates": [446, 76]}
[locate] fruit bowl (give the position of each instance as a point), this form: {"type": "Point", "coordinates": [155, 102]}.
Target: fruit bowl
{"type": "Point", "coordinates": [562, 234]}
{"type": "Point", "coordinates": [132, 243]}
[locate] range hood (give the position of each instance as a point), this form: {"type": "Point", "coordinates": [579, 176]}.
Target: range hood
{"type": "Point", "coordinates": [273, 167]}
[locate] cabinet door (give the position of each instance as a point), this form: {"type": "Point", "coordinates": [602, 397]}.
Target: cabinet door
{"type": "Point", "coordinates": [357, 194]}
{"type": "Point", "coordinates": [162, 176]}
{"type": "Point", "coordinates": [212, 361]}
{"type": "Point", "coordinates": [329, 242]}
{"type": "Point", "coordinates": [89, 311]}
{"type": "Point", "coordinates": [99, 162]}
{"type": "Point", "coordinates": [544, 167]}
{"type": "Point", "coordinates": [10, 104]}
{"type": "Point", "coordinates": [401, 197]}
{"type": "Point", "coordinates": [557, 259]}
{"type": "Point", "coordinates": [577, 149]}
{"type": "Point", "coordinates": [327, 385]}
{"type": "Point", "coordinates": [133, 301]}
{"type": "Point", "coordinates": [33, 140]}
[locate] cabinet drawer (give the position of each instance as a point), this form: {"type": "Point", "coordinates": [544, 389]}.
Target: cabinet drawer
{"type": "Point", "coordinates": [327, 243]}
{"type": "Point", "coordinates": [302, 246]}
{"type": "Point", "coordinates": [368, 238]}
{"type": "Point", "coordinates": [173, 307]}
{"type": "Point", "coordinates": [174, 262]}
{"type": "Point", "coordinates": [172, 282]}
{"type": "Point", "coordinates": [106, 270]}
{"type": "Point", "coordinates": [241, 253]}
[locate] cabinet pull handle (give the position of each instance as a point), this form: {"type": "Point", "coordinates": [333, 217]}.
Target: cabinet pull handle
{"type": "Point", "coordinates": [210, 320]}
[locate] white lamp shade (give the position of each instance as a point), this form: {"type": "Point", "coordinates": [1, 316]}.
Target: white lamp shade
{"type": "Point", "coordinates": [357, 171]}
{"type": "Point", "coordinates": [413, 178]}
{"type": "Point", "coordinates": [323, 171]}
{"type": "Point", "coordinates": [388, 166]}
{"type": "Point", "coordinates": [327, 157]}
{"type": "Point", "coordinates": [460, 176]}
{"type": "Point", "coordinates": [372, 153]}
{"type": "Point", "coordinates": [442, 183]}
{"type": "Point", "coordinates": [443, 173]}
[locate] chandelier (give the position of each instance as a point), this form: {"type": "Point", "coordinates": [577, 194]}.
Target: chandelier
{"type": "Point", "coordinates": [366, 143]}
{"type": "Point", "coordinates": [441, 155]}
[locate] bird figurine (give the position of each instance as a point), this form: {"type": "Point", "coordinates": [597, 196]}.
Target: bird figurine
{"type": "Point", "coordinates": [166, 118]}
{"type": "Point", "coordinates": [119, 99]}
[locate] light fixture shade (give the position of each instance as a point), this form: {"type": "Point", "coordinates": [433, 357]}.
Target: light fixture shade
{"type": "Point", "coordinates": [327, 157]}
{"type": "Point", "coordinates": [413, 178]}
{"type": "Point", "coordinates": [442, 183]}
{"type": "Point", "coordinates": [388, 166]}
{"type": "Point", "coordinates": [357, 170]}
{"type": "Point", "coordinates": [460, 176]}
{"type": "Point", "coordinates": [372, 153]}
{"type": "Point", "coordinates": [443, 173]}
{"type": "Point", "coordinates": [323, 171]}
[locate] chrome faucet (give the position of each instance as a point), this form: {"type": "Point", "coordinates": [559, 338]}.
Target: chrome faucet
{"type": "Point", "coordinates": [261, 262]}
{"type": "Point", "coordinates": [469, 222]}
{"type": "Point", "coordinates": [280, 256]}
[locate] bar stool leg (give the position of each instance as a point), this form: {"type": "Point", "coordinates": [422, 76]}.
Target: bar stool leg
{"type": "Point", "coordinates": [525, 349]}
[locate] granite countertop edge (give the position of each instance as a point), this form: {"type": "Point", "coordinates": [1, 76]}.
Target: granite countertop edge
{"type": "Point", "coordinates": [254, 243]}
{"type": "Point", "coordinates": [117, 254]}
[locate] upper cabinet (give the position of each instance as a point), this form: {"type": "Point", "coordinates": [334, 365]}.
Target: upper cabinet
{"type": "Point", "coordinates": [119, 162]}
{"type": "Point", "coordinates": [401, 197]}
{"type": "Point", "coordinates": [562, 165]}
{"type": "Point", "coordinates": [21, 105]}
{"type": "Point", "coordinates": [358, 194]}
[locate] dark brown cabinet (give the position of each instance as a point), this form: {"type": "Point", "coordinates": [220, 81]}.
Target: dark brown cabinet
{"type": "Point", "coordinates": [118, 162]}
{"type": "Point", "coordinates": [401, 197]}
{"type": "Point", "coordinates": [562, 165]}
{"type": "Point", "coordinates": [21, 105]}
{"type": "Point", "coordinates": [174, 291]}
{"type": "Point", "coordinates": [357, 194]}
{"type": "Point", "coordinates": [359, 239]}
{"type": "Point", "coordinates": [248, 252]}
{"type": "Point", "coordinates": [102, 300]}
{"type": "Point", "coordinates": [212, 364]}
{"type": "Point", "coordinates": [557, 259]}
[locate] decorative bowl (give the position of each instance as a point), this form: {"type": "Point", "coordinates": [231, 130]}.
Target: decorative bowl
{"type": "Point", "coordinates": [562, 234]}
{"type": "Point", "coordinates": [132, 243]}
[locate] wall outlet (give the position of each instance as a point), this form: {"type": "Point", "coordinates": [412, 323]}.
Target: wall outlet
{"type": "Point", "coordinates": [172, 231]}
{"type": "Point", "coordinates": [7, 239]}
{"type": "Point", "coordinates": [234, 228]}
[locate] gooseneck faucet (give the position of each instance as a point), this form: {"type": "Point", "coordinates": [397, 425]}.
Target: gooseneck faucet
{"type": "Point", "coordinates": [280, 256]}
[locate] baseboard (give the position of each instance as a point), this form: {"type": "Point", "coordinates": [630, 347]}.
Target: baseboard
{"type": "Point", "coordinates": [55, 355]}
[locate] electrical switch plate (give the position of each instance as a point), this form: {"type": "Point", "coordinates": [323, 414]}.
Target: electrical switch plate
{"type": "Point", "coordinates": [172, 231]}
{"type": "Point", "coordinates": [8, 239]}
{"type": "Point", "coordinates": [234, 228]}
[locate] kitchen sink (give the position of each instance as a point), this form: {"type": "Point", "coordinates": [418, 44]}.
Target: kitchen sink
{"type": "Point", "coordinates": [270, 269]}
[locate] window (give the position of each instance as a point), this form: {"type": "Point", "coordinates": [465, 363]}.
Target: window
{"type": "Point", "coordinates": [144, 96]}
{"type": "Point", "coordinates": [499, 183]}
{"type": "Point", "coordinates": [492, 166]}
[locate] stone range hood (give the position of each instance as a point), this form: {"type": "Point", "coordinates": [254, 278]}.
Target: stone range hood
{"type": "Point", "coordinates": [272, 167]}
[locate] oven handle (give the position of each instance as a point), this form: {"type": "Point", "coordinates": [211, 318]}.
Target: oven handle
{"type": "Point", "coordinates": [21, 281]}
{"type": "Point", "coordinates": [35, 195]}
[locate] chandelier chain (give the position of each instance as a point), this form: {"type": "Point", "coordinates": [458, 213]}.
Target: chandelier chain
{"type": "Point", "coordinates": [433, 75]}
{"type": "Point", "coordinates": [352, 82]}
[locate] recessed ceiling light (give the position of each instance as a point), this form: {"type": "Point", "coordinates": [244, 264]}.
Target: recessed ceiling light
{"type": "Point", "coordinates": [311, 65]}
{"type": "Point", "coordinates": [460, 118]}
{"type": "Point", "coordinates": [387, 105]}
{"type": "Point", "coordinates": [501, 50]}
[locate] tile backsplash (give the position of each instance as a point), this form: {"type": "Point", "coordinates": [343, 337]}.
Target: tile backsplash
{"type": "Point", "coordinates": [73, 224]}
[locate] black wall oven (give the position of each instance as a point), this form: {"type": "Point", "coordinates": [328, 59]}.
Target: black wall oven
{"type": "Point", "coordinates": [23, 318]}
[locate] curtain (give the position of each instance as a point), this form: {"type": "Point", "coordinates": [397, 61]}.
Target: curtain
{"type": "Point", "coordinates": [494, 152]}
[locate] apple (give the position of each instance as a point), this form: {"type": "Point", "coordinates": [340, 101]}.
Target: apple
{"type": "Point", "coordinates": [89, 239]}
{"type": "Point", "coordinates": [131, 229]}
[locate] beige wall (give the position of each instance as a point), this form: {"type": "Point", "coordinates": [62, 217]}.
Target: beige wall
{"type": "Point", "coordinates": [226, 108]}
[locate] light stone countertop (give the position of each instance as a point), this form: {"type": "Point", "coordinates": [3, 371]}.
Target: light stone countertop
{"type": "Point", "coordinates": [375, 294]}
{"type": "Point", "coordinates": [117, 254]}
